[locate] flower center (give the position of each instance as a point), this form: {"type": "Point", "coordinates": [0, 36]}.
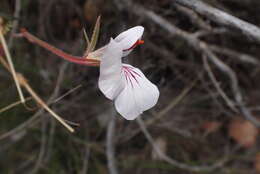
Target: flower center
{"type": "Point", "coordinates": [138, 42]}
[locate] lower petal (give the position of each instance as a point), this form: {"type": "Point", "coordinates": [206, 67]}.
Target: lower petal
{"type": "Point", "coordinates": [137, 96]}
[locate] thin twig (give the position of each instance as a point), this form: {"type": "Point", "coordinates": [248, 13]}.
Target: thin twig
{"type": "Point", "coordinates": [164, 111]}
{"type": "Point", "coordinates": [86, 161]}
{"type": "Point", "coordinates": [174, 162]}
{"type": "Point", "coordinates": [50, 141]}
{"type": "Point", "coordinates": [10, 62]}
{"type": "Point", "coordinates": [22, 81]}
{"type": "Point", "coordinates": [233, 83]}
{"type": "Point", "coordinates": [172, 104]}
{"type": "Point", "coordinates": [67, 93]}
{"type": "Point", "coordinates": [229, 102]}
{"type": "Point", "coordinates": [110, 146]}
{"type": "Point", "coordinates": [34, 118]}
{"type": "Point", "coordinates": [6, 108]}
{"type": "Point", "coordinates": [195, 18]}
{"type": "Point", "coordinates": [22, 126]}
{"type": "Point", "coordinates": [4, 63]}
{"type": "Point", "coordinates": [41, 154]}
{"type": "Point", "coordinates": [43, 104]}
{"type": "Point", "coordinates": [94, 37]}
{"type": "Point", "coordinates": [222, 18]}
{"type": "Point", "coordinates": [15, 23]}
{"type": "Point", "coordinates": [44, 139]}
{"type": "Point", "coordinates": [235, 55]}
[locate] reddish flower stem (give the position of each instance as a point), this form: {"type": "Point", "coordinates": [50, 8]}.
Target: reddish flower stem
{"type": "Point", "coordinates": [58, 52]}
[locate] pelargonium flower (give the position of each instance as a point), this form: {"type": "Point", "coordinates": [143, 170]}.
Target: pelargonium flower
{"type": "Point", "coordinates": [126, 85]}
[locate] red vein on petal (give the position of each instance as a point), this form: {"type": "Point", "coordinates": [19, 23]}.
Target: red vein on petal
{"type": "Point", "coordinates": [130, 73]}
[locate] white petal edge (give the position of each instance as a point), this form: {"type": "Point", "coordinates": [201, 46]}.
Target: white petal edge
{"type": "Point", "coordinates": [129, 37]}
{"type": "Point", "coordinates": [136, 98]}
{"type": "Point", "coordinates": [111, 82]}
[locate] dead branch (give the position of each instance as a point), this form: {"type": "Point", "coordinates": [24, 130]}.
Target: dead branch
{"type": "Point", "coordinates": [174, 162]}
{"type": "Point", "coordinates": [222, 18]}
{"type": "Point", "coordinates": [44, 138]}
{"type": "Point", "coordinates": [236, 55]}
{"type": "Point", "coordinates": [110, 146]}
{"type": "Point", "coordinates": [15, 23]}
{"type": "Point", "coordinates": [195, 18]}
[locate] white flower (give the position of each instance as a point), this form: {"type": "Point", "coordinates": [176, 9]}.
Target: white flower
{"type": "Point", "coordinates": [131, 91]}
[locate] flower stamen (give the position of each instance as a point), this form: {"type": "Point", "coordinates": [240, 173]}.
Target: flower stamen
{"type": "Point", "coordinates": [138, 42]}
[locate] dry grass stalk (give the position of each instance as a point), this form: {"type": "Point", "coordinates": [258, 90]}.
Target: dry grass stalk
{"type": "Point", "coordinates": [6, 108]}
{"type": "Point", "coordinates": [11, 65]}
{"type": "Point", "coordinates": [94, 38]}
{"type": "Point", "coordinates": [22, 81]}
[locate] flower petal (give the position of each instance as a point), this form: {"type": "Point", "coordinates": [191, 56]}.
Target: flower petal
{"type": "Point", "coordinates": [111, 82]}
{"type": "Point", "coordinates": [129, 37]}
{"type": "Point", "coordinates": [138, 95]}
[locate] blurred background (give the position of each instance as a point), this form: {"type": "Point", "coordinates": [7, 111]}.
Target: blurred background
{"type": "Point", "coordinates": [201, 67]}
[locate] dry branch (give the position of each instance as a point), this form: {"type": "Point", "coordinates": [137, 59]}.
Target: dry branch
{"type": "Point", "coordinates": [174, 162]}
{"type": "Point", "coordinates": [110, 146]}
{"type": "Point", "coordinates": [23, 82]}
{"type": "Point", "coordinates": [222, 18]}
{"type": "Point", "coordinates": [11, 65]}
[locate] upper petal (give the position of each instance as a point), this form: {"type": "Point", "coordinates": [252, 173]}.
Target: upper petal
{"type": "Point", "coordinates": [111, 82]}
{"type": "Point", "coordinates": [129, 37]}
{"type": "Point", "coordinates": [138, 95]}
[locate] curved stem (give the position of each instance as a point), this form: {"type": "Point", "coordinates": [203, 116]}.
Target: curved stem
{"type": "Point", "coordinates": [58, 52]}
